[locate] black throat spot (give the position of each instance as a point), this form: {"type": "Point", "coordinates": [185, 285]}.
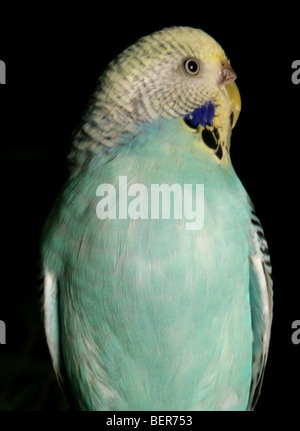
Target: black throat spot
{"type": "Point", "coordinates": [211, 138]}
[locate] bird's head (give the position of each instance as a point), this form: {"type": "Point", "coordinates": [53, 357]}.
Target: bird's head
{"type": "Point", "coordinates": [178, 72]}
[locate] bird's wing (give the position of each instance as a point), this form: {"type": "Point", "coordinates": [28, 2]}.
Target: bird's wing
{"type": "Point", "coordinates": [51, 307]}
{"type": "Point", "coordinates": [52, 319]}
{"type": "Point", "coordinates": [261, 305]}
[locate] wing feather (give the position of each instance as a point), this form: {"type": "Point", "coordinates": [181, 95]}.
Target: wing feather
{"type": "Point", "coordinates": [51, 307]}
{"type": "Point", "coordinates": [261, 298]}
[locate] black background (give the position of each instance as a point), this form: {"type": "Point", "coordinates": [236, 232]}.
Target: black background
{"type": "Point", "coordinates": [53, 58]}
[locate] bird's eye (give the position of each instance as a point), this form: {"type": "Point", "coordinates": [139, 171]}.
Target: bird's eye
{"type": "Point", "coordinates": [191, 66]}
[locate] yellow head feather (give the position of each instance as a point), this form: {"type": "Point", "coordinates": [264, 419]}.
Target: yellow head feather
{"type": "Point", "coordinates": [148, 81]}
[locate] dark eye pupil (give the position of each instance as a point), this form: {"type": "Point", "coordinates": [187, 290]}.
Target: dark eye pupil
{"type": "Point", "coordinates": [191, 66]}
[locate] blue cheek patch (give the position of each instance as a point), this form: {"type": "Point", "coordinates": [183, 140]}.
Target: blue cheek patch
{"type": "Point", "coordinates": [202, 115]}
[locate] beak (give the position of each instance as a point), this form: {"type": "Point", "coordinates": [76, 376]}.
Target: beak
{"type": "Point", "coordinates": [226, 81]}
{"type": "Point", "coordinates": [227, 74]}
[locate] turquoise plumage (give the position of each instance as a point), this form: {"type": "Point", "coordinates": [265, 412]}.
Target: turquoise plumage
{"type": "Point", "coordinates": [144, 314]}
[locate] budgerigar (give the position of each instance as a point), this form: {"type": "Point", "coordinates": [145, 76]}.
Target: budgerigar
{"type": "Point", "coordinates": [141, 311]}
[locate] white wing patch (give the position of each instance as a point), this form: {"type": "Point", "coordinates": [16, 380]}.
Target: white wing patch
{"type": "Point", "coordinates": [51, 318]}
